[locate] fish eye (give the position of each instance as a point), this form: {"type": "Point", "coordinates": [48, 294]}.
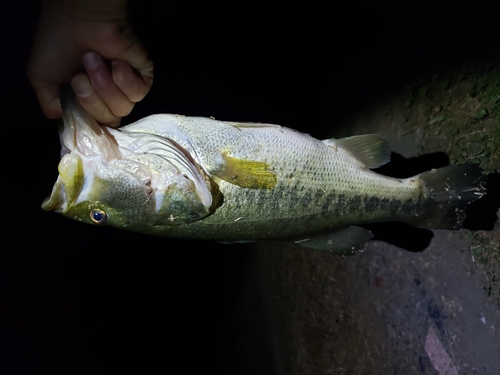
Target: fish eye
{"type": "Point", "coordinates": [98, 216]}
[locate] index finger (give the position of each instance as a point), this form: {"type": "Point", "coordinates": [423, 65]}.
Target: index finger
{"type": "Point", "coordinates": [137, 56]}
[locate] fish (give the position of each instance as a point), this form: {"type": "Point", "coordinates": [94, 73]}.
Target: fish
{"type": "Point", "coordinates": [201, 178]}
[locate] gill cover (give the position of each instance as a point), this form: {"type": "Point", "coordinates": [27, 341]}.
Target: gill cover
{"type": "Point", "coordinates": [110, 176]}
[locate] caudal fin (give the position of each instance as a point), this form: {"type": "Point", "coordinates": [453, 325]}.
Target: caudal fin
{"type": "Point", "coordinates": [449, 189]}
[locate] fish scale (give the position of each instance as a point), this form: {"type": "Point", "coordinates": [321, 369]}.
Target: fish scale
{"type": "Point", "coordinates": [319, 174]}
{"type": "Point", "coordinates": [233, 182]}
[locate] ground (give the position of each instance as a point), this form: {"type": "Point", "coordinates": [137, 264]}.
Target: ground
{"type": "Point", "coordinates": [389, 310]}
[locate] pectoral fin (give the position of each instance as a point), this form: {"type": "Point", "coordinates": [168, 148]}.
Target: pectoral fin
{"type": "Point", "coordinates": [248, 174]}
{"type": "Point", "coordinates": [347, 241]}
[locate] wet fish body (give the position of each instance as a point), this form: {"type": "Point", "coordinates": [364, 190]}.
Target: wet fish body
{"type": "Point", "coordinates": [199, 178]}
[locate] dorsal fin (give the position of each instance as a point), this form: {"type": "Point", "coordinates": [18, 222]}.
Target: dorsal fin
{"type": "Point", "coordinates": [370, 149]}
{"type": "Point", "coordinates": [251, 125]}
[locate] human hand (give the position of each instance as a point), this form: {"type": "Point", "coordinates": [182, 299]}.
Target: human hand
{"type": "Point", "coordinates": [91, 45]}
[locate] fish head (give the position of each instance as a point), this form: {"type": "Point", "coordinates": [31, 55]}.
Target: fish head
{"type": "Point", "coordinates": [126, 180]}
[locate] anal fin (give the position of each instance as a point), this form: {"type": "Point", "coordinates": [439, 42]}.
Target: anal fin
{"type": "Point", "coordinates": [346, 241]}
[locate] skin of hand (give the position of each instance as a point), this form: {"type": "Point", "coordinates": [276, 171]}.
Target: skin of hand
{"type": "Point", "coordinates": [90, 44]}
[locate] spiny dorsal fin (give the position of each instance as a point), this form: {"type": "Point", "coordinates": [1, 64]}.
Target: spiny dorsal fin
{"type": "Point", "coordinates": [370, 149]}
{"type": "Point", "coordinates": [251, 125]}
{"type": "Point", "coordinates": [248, 174]}
{"type": "Point", "coordinates": [346, 241]}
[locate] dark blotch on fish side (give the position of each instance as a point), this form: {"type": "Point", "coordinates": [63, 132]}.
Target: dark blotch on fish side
{"type": "Point", "coordinates": [353, 204]}
{"type": "Point", "coordinates": [395, 207]}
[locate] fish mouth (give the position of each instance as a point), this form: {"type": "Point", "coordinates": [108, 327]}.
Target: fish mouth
{"type": "Point", "coordinates": [83, 142]}
{"type": "Point", "coordinates": [55, 201]}
{"type": "Point", "coordinates": [68, 185]}
{"type": "Point", "coordinates": [87, 146]}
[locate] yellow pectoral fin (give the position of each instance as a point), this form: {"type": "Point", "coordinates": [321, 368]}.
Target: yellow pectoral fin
{"type": "Point", "coordinates": [248, 174]}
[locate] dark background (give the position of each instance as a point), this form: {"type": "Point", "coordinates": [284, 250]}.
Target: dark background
{"type": "Point", "coordinates": [77, 299]}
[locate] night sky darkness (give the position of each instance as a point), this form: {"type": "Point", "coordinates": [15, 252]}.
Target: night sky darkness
{"type": "Point", "coordinates": [77, 299]}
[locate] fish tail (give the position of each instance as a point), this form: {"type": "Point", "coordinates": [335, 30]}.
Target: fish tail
{"type": "Point", "coordinates": [448, 191]}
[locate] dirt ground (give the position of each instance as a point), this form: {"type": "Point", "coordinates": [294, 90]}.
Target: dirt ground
{"type": "Point", "coordinates": [434, 310]}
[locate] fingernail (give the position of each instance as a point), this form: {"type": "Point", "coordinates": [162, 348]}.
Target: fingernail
{"type": "Point", "coordinates": [81, 86]}
{"type": "Point", "coordinates": [92, 61]}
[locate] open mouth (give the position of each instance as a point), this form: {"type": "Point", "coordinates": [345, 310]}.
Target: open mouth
{"type": "Point", "coordinates": [68, 185]}
{"type": "Point", "coordinates": [83, 141]}
{"type": "Point", "coordinates": [88, 148]}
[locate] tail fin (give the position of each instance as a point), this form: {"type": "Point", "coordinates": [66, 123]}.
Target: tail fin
{"type": "Point", "coordinates": [449, 190]}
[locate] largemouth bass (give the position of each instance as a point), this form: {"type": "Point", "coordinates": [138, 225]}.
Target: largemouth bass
{"type": "Point", "coordinates": [199, 178]}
